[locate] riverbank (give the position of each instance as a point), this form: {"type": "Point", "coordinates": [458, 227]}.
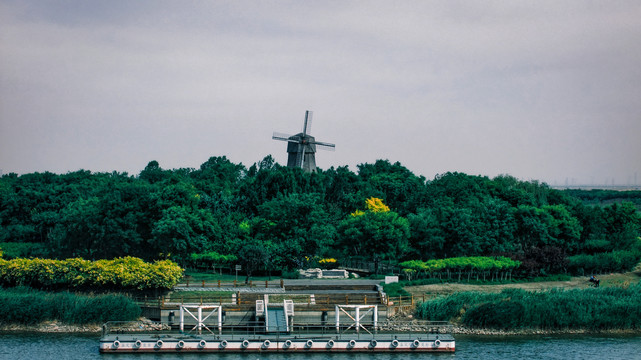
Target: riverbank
{"type": "Point", "coordinates": [59, 327]}
{"type": "Point", "coordinates": [56, 327]}
{"type": "Point", "coordinates": [51, 327]}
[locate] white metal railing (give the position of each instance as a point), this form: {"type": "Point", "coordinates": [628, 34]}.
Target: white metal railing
{"type": "Point", "coordinates": [387, 330]}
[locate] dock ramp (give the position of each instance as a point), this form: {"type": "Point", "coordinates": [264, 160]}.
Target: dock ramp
{"type": "Point", "coordinates": [276, 317]}
{"type": "Point", "coordinates": [276, 321]}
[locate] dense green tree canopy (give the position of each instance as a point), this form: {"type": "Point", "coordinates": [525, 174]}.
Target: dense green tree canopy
{"type": "Point", "coordinates": [279, 216]}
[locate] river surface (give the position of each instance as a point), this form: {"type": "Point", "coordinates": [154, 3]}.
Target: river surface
{"type": "Point", "coordinates": [73, 346]}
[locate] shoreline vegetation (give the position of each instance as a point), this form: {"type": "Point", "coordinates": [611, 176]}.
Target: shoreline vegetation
{"type": "Point", "coordinates": [552, 308]}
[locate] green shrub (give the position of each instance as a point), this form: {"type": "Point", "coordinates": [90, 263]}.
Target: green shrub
{"type": "Point", "coordinates": [290, 274]}
{"type": "Point", "coordinates": [207, 259]}
{"type": "Point", "coordinates": [615, 261]}
{"type": "Point", "coordinates": [395, 290]}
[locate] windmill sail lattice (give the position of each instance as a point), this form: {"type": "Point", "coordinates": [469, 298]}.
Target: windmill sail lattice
{"type": "Point", "coordinates": [301, 148]}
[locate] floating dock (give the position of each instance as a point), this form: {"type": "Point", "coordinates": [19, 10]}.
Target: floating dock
{"type": "Point", "coordinates": [402, 342]}
{"type": "Point", "coordinates": [203, 328]}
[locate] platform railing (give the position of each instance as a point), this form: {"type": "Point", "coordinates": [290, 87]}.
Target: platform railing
{"type": "Point", "coordinates": [392, 330]}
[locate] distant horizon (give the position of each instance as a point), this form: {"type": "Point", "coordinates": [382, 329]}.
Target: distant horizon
{"type": "Point", "coordinates": [568, 183]}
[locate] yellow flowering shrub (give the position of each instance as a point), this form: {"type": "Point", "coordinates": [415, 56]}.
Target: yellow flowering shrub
{"type": "Point", "coordinates": [374, 205]}
{"type": "Point", "coordinates": [128, 272]}
{"type": "Point", "coordinates": [328, 263]}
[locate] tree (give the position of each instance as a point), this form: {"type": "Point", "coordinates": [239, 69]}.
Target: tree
{"type": "Point", "coordinates": [427, 240]}
{"type": "Point", "coordinates": [183, 231]}
{"type": "Point", "coordinates": [623, 223]}
{"type": "Point", "coordinates": [497, 226]}
{"type": "Point", "coordinates": [218, 175]}
{"type": "Point", "coordinates": [397, 185]}
{"type": "Point", "coordinates": [462, 230]}
{"type": "Point", "coordinates": [153, 173]}
{"type": "Point", "coordinates": [298, 227]}
{"type": "Point", "coordinates": [374, 235]}
{"type": "Point", "coordinates": [253, 256]}
{"type": "Point", "coordinates": [565, 229]}
{"type": "Point", "coordinates": [533, 226]}
{"type": "Point", "coordinates": [343, 190]}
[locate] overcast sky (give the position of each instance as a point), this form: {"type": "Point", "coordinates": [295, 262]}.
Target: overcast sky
{"type": "Point", "coordinates": [541, 90]}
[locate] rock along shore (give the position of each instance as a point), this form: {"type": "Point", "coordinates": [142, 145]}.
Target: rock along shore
{"type": "Point", "coordinates": [145, 325]}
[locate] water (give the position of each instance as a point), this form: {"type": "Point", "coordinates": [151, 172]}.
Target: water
{"type": "Point", "coordinates": [73, 346]}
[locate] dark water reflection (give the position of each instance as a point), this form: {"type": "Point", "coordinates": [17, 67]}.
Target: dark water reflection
{"type": "Point", "coordinates": [73, 346]}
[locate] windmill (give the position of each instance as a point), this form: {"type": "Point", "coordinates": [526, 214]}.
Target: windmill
{"type": "Point", "coordinates": [302, 146]}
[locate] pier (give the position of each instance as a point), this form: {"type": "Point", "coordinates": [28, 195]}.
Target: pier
{"type": "Point", "coordinates": [154, 338]}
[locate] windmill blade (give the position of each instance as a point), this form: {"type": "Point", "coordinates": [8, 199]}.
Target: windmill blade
{"type": "Point", "coordinates": [307, 125]}
{"type": "Point", "coordinates": [325, 146]}
{"type": "Point", "coordinates": [283, 137]}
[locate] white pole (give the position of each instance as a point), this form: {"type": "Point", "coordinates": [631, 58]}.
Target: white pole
{"type": "Point", "coordinates": [182, 319]}
{"type": "Point", "coordinates": [375, 317]}
{"type": "Point", "coordinates": [220, 319]}
{"type": "Point", "coordinates": [266, 300]}
{"type": "Point", "coordinates": [338, 316]}
{"type": "Point", "coordinates": [200, 319]}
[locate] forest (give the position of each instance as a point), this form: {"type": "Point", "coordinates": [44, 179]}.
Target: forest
{"type": "Point", "coordinates": [271, 218]}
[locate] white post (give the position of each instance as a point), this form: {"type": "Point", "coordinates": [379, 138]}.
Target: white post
{"type": "Point", "coordinates": [375, 317]}
{"type": "Point", "coordinates": [338, 316]}
{"type": "Point", "coordinates": [266, 300]}
{"type": "Point", "coordinates": [182, 319]}
{"type": "Point", "coordinates": [200, 319]}
{"type": "Point", "coordinates": [220, 320]}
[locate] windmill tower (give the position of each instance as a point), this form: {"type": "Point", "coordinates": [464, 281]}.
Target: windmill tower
{"type": "Point", "coordinates": [301, 147]}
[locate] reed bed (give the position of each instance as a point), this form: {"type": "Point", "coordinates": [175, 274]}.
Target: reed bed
{"type": "Point", "coordinates": [23, 305]}
{"type": "Point", "coordinates": [513, 309]}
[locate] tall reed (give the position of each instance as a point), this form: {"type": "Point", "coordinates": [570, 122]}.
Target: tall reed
{"type": "Point", "coordinates": [28, 306]}
{"type": "Point", "coordinates": [513, 309]}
